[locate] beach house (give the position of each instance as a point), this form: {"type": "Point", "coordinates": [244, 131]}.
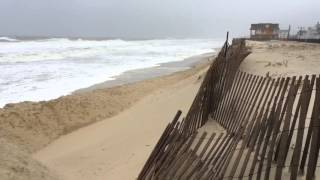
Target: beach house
{"type": "Point", "coordinates": [264, 31]}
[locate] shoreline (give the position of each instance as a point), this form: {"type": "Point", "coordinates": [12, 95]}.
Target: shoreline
{"type": "Point", "coordinates": [29, 128]}
{"type": "Point", "coordinates": [41, 73]}
{"type": "Point", "coordinates": [33, 125]}
{"type": "Point", "coordinates": [138, 75]}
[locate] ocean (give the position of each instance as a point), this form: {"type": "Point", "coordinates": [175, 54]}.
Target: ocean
{"type": "Point", "coordinates": [44, 69]}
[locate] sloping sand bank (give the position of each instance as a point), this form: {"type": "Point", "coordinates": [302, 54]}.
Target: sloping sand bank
{"type": "Point", "coordinates": [116, 148]}
{"type": "Point", "coordinates": [17, 164]}
{"type": "Point", "coordinates": [29, 126]}
{"type": "Point", "coordinates": [33, 125]}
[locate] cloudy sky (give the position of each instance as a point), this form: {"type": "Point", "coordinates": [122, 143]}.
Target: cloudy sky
{"type": "Point", "coordinates": [150, 18]}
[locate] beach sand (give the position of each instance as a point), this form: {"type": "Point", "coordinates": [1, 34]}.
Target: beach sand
{"type": "Point", "coordinates": [117, 148]}
{"type": "Point", "coordinates": [131, 117]}
{"type": "Point", "coordinates": [282, 58]}
{"type": "Point", "coordinates": [146, 107]}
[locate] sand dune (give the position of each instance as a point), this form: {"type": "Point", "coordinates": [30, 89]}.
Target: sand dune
{"type": "Point", "coordinates": [33, 125]}
{"type": "Point", "coordinates": [117, 148]}
{"type": "Point", "coordinates": [281, 58]}
{"type": "Point", "coordinates": [17, 164]}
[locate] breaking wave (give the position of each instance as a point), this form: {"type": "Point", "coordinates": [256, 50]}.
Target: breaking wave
{"type": "Point", "coordinates": [44, 69]}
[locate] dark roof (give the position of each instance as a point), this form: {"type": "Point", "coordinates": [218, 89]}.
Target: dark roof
{"type": "Point", "coordinates": [264, 25]}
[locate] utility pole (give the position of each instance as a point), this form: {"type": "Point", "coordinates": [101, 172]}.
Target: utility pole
{"type": "Point", "coordinates": [288, 36]}
{"type": "Point", "coordinates": [300, 32]}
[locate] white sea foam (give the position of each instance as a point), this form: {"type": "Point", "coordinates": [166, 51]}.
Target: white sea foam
{"type": "Point", "coordinates": [7, 39]}
{"type": "Point", "coordinates": [46, 69]}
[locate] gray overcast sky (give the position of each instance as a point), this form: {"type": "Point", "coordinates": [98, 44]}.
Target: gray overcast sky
{"type": "Point", "coordinates": [150, 18]}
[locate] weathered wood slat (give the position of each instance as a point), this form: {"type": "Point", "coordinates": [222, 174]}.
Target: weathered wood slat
{"type": "Point", "coordinates": [256, 120]}
{"type": "Point", "coordinates": [274, 119]}
{"type": "Point", "coordinates": [294, 165]}
{"type": "Point", "coordinates": [246, 107]}
{"type": "Point", "coordinates": [226, 112]}
{"type": "Point", "coordinates": [315, 140]}
{"type": "Point", "coordinates": [264, 127]}
{"type": "Point", "coordinates": [288, 103]}
{"type": "Point", "coordinates": [261, 116]}
{"type": "Point", "coordinates": [244, 142]}
{"type": "Point", "coordinates": [285, 130]}
{"type": "Point", "coordinates": [234, 103]}
{"type": "Point", "coordinates": [308, 139]}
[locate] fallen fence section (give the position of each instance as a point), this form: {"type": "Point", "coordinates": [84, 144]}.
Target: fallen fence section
{"type": "Point", "coordinates": [271, 127]}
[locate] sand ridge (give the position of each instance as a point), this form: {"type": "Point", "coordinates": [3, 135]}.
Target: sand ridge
{"type": "Point", "coordinates": [35, 124]}
{"type": "Point", "coordinates": [117, 148]}
{"type": "Point", "coordinates": [30, 126]}
{"type": "Point", "coordinates": [17, 164]}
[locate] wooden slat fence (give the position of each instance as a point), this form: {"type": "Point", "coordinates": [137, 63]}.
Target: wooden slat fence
{"type": "Point", "coordinates": [272, 127]}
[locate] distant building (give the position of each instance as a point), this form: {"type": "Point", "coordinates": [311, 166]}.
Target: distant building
{"type": "Point", "coordinates": [264, 31]}
{"type": "Point", "coordinates": [283, 34]}
{"type": "Point", "coordinates": [310, 33]}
